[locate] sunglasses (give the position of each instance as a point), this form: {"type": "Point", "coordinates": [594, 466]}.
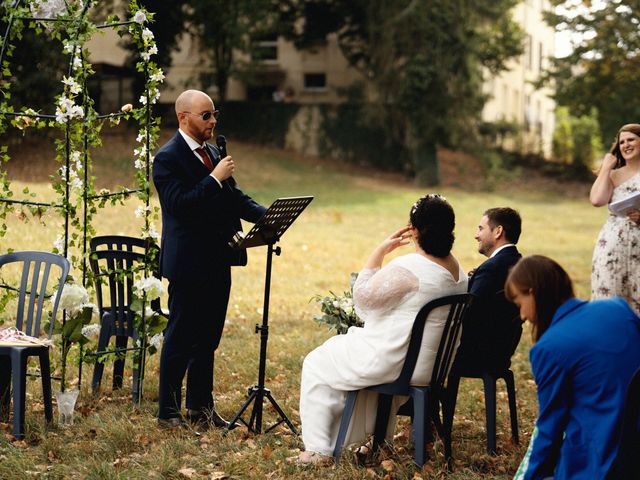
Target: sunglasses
{"type": "Point", "coordinates": [206, 115]}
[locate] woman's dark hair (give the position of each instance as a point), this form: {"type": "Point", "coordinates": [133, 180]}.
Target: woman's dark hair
{"type": "Point", "coordinates": [615, 147]}
{"type": "Point", "coordinates": [434, 219]}
{"type": "Point", "coordinates": [550, 285]}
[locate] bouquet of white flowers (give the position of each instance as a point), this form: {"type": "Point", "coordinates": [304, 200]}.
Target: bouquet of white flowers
{"type": "Point", "coordinates": [74, 300]}
{"type": "Point", "coordinates": [338, 311]}
{"type": "Point", "coordinates": [153, 324]}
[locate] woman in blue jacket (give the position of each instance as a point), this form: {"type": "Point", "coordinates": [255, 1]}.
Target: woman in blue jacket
{"type": "Point", "coordinates": [584, 356]}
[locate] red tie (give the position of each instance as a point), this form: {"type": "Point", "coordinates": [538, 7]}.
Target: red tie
{"type": "Point", "coordinates": [205, 158]}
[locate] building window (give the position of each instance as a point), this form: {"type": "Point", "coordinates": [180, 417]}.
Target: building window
{"type": "Point", "coordinates": [265, 48]}
{"type": "Point", "coordinates": [528, 52]}
{"type": "Point", "coordinates": [540, 57]}
{"type": "Point", "coordinates": [315, 81]}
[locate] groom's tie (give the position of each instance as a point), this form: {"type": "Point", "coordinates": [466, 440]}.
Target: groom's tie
{"type": "Point", "coordinates": [205, 158]}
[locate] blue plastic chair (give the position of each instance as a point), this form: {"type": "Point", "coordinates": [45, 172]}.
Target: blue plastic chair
{"type": "Point", "coordinates": [501, 335]}
{"type": "Point", "coordinates": [426, 399]}
{"type": "Point", "coordinates": [36, 269]}
{"type": "Point", "coordinates": [111, 255]}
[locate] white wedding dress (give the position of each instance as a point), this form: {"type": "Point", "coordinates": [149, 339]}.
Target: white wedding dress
{"type": "Point", "coordinates": [388, 301]}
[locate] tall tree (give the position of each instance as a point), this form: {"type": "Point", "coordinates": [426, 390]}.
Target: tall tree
{"type": "Point", "coordinates": [227, 31]}
{"type": "Point", "coordinates": [602, 70]}
{"type": "Point", "coordinates": [424, 60]}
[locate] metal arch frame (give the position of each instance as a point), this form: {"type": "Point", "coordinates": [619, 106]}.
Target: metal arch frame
{"type": "Point", "coordinates": [86, 198]}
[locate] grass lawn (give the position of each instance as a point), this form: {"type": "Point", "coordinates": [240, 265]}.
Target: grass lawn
{"type": "Point", "coordinates": [352, 211]}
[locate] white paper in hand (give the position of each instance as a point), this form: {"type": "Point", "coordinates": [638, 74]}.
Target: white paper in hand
{"type": "Point", "coordinates": [621, 207]}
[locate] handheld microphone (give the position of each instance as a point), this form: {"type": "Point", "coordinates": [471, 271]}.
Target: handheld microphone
{"type": "Point", "coordinates": [221, 142]}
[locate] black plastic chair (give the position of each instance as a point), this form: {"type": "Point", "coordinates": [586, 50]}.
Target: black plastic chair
{"type": "Point", "coordinates": [501, 340]}
{"type": "Point", "coordinates": [113, 260]}
{"type": "Point", "coordinates": [626, 466]}
{"type": "Point", "coordinates": [426, 399]}
{"type": "Point", "coordinates": [36, 270]}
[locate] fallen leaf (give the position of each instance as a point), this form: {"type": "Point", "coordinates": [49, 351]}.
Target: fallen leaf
{"type": "Point", "coordinates": [144, 440]}
{"type": "Point", "coordinates": [427, 468]}
{"type": "Point", "coordinates": [388, 465]}
{"type": "Point", "coordinates": [50, 456]}
{"type": "Point", "coordinates": [266, 452]}
{"type": "Point", "coordinates": [218, 476]}
{"type": "Point", "coordinates": [187, 472]}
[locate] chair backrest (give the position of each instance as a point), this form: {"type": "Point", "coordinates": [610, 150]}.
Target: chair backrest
{"type": "Point", "coordinates": [124, 243]}
{"type": "Point", "coordinates": [32, 292]}
{"type": "Point", "coordinates": [458, 306]}
{"type": "Point", "coordinates": [113, 270]}
{"type": "Point", "coordinates": [627, 463]}
{"type": "Point", "coordinates": [506, 329]}
{"type": "Point", "coordinates": [110, 256]}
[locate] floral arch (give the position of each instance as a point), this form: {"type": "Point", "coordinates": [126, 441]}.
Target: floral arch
{"type": "Point", "coordinates": [74, 115]}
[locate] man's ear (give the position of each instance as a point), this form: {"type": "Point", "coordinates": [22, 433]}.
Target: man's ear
{"type": "Point", "coordinates": [498, 232]}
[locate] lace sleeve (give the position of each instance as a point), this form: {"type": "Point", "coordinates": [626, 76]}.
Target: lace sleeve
{"type": "Point", "coordinates": [382, 289]}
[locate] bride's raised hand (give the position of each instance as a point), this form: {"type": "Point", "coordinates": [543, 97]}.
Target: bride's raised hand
{"type": "Point", "coordinates": [397, 239]}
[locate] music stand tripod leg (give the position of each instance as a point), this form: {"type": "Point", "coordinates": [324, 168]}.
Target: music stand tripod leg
{"type": "Point", "coordinates": [258, 392]}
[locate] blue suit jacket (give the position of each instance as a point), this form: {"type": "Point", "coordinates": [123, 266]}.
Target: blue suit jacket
{"type": "Point", "coordinates": [582, 365]}
{"type": "Point", "coordinates": [199, 216]}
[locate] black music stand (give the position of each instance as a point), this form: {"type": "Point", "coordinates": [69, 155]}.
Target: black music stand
{"type": "Point", "coordinates": [267, 231]}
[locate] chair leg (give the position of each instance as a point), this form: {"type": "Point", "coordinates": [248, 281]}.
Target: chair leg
{"type": "Point", "coordinates": [420, 424]}
{"type": "Point", "coordinates": [118, 364]}
{"type": "Point", "coordinates": [136, 387]}
{"type": "Point", "coordinates": [382, 420]}
{"type": "Point", "coordinates": [349, 406]}
{"type": "Point", "coordinates": [448, 412]}
{"type": "Point", "coordinates": [490, 407]}
{"type": "Point", "coordinates": [98, 366]}
{"type": "Point", "coordinates": [5, 388]}
{"type": "Point", "coordinates": [513, 409]}
{"type": "Point", "coordinates": [45, 373]}
{"type": "Point", "coordinates": [19, 380]}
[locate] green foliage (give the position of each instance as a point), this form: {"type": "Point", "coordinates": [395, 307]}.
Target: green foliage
{"type": "Point", "coordinates": [351, 129]}
{"type": "Point", "coordinates": [424, 60]}
{"type": "Point", "coordinates": [266, 123]}
{"type": "Point", "coordinates": [602, 70]}
{"type": "Point", "coordinates": [227, 28]}
{"type": "Point", "coordinates": [576, 142]}
{"type": "Point", "coordinates": [562, 137]}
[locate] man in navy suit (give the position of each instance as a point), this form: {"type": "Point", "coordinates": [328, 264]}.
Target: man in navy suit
{"type": "Point", "coordinates": [201, 211]}
{"type": "Point", "coordinates": [492, 330]}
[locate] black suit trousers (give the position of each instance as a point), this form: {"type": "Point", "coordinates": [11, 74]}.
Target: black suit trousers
{"type": "Point", "coordinates": [197, 312]}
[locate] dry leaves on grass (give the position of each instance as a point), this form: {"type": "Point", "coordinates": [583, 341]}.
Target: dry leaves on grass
{"type": "Point", "coordinates": [187, 472]}
{"type": "Point", "coordinates": [388, 465]}
{"type": "Point", "coordinates": [266, 452]}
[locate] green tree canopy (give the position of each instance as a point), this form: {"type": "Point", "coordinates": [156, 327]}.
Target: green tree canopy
{"type": "Point", "coordinates": [227, 31]}
{"type": "Point", "coordinates": [424, 60]}
{"type": "Point", "coordinates": [602, 70]}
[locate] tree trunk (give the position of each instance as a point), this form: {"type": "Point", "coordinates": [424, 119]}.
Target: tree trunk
{"type": "Point", "coordinates": [425, 161]}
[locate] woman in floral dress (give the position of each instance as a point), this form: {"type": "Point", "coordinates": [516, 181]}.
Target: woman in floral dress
{"type": "Point", "coordinates": [616, 257]}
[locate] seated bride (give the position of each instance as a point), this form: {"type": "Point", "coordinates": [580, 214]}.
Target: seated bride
{"type": "Point", "coordinates": [387, 299]}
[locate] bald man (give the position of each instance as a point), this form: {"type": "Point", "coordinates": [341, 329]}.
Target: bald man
{"type": "Point", "coordinates": [201, 211]}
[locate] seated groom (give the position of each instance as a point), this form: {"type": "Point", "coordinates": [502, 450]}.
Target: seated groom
{"type": "Point", "coordinates": [492, 329]}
